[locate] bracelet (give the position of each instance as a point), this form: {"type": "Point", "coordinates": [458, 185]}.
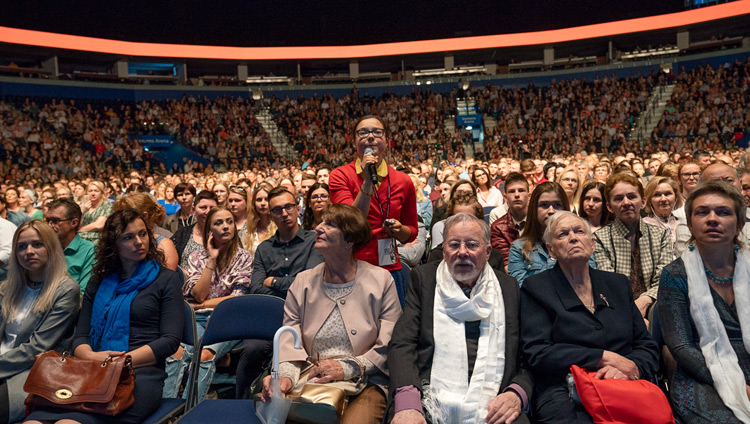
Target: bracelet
{"type": "Point", "coordinates": [369, 194]}
{"type": "Point", "coordinates": [208, 267]}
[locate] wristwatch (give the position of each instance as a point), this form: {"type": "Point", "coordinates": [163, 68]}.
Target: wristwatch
{"type": "Point", "coordinates": [273, 282]}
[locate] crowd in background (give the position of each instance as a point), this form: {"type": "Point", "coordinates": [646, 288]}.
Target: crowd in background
{"type": "Point", "coordinates": [231, 225]}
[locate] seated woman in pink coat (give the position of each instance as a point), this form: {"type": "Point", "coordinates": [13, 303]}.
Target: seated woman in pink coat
{"type": "Point", "coordinates": [345, 310]}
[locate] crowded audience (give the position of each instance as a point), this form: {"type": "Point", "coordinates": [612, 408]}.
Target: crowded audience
{"type": "Point", "coordinates": [522, 246]}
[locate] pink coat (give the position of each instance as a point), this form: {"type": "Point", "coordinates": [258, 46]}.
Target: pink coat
{"type": "Point", "coordinates": [369, 312]}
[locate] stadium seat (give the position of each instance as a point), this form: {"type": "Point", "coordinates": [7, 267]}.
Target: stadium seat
{"type": "Point", "coordinates": [222, 410]}
{"type": "Point", "coordinates": [487, 210]}
{"type": "Point", "coordinates": [171, 408]}
{"type": "Point", "coordinates": [252, 316]}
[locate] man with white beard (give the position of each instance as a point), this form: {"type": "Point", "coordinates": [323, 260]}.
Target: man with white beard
{"type": "Point", "coordinates": [454, 353]}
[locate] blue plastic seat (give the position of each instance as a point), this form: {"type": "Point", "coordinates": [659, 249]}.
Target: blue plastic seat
{"type": "Point", "coordinates": [171, 408]}
{"type": "Point", "coordinates": [254, 316]}
{"type": "Point", "coordinates": [222, 411]}
{"type": "Point", "coordinates": [487, 210]}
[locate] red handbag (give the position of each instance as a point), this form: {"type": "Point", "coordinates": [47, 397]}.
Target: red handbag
{"type": "Point", "coordinates": [614, 401]}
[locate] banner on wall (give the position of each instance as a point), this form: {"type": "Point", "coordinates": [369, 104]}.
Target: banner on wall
{"type": "Point", "coordinates": [473, 120]}
{"type": "Point", "coordinates": [155, 140]}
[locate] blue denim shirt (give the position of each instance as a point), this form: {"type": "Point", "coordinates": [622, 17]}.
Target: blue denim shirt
{"type": "Point", "coordinates": [521, 268]}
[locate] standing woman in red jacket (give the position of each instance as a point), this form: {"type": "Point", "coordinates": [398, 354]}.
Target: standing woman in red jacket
{"type": "Point", "coordinates": [386, 197]}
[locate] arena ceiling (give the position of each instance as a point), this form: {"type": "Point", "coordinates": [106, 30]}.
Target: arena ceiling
{"type": "Point", "coordinates": [269, 23]}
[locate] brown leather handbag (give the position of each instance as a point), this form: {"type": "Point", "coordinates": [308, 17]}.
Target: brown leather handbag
{"type": "Point", "coordinates": [66, 382]}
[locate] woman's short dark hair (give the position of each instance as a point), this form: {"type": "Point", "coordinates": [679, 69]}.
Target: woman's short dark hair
{"type": "Point", "coordinates": [622, 177]}
{"type": "Point", "coordinates": [203, 195]}
{"type": "Point", "coordinates": [721, 188]}
{"type": "Point", "coordinates": [350, 221]}
{"type": "Point", "coordinates": [179, 188]}
{"type": "Point", "coordinates": [358, 121]}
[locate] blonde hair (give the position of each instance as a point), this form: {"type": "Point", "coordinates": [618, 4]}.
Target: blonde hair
{"type": "Point", "coordinates": [577, 195]}
{"type": "Point", "coordinates": [100, 186]}
{"type": "Point", "coordinates": [55, 272]}
{"type": "Point", "coordinates": [420, 195]}
{"type": "Point", "coordinates": [651, 189]}
{"type": "Point", "coordinates": [97, 184]}
{"type": "Point", "coordinates": [143, 203]}
{"type": "Point", "coordinates": [253, 219]}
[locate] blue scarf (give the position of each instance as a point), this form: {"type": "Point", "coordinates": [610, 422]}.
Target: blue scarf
{"type": "Point", "coordinates": [110, 315]}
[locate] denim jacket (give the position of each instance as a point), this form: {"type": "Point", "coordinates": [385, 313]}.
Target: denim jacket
{"type": "Point", "coordinates": [521, 268]}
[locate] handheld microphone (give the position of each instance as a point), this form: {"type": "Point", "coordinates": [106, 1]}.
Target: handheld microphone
{"type": "Point", "coordinates": [371, 167]}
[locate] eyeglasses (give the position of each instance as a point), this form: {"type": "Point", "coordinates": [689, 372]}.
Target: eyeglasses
{"type": "Point", "coordinates": [692, 175]}
{"type": "Point", "coordinates": [471, 245]}
{"type": "Point", "coordinates": [238, 189]}
{"type": "Point", "coordinates": [376, 132]}
{"type": "Point", "coordinates": [289, 208]}
{"type": "Point", "coordinates": [319, 197]}
{"type": "Point", "coordinates": [55, 221]}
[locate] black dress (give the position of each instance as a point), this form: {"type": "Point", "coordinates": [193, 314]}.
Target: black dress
{"type": "Point", "coordinates": [156, 320]}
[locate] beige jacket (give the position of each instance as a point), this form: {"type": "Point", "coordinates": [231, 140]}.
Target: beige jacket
{"type": "Point", "coordinates": [370, 312]}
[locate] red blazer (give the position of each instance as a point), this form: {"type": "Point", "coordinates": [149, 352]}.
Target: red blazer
{"type": "Point", "coordinates": [344, 184]}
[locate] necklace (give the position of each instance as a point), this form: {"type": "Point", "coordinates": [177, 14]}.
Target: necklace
{"type": "Point", "coordinates": [720, 281]}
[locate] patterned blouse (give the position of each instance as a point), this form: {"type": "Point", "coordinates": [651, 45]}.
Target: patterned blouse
{"type": "Point", "coordinates": [105, 209]}
{"type": "Point", "coordinates": [233, 281]}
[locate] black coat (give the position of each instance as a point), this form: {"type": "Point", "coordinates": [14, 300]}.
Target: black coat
{"type": "Point", "coordinates": [412, 345]}
{"type": "Point", "coordinates": [558, 330]}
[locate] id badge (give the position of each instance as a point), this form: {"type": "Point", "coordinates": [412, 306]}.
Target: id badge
{"type": "Point", "coordinates": [386, 251]}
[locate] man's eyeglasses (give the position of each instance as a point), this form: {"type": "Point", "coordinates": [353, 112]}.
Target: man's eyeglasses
{"type": "Point", "coordinates": [376, 132]}
{"type": "Point", "coordinates": [471, 245]}
{"type": "Point", "coordinates": [319, 197]}
{"type": "Point", "coordinates": [55, 221]}
{"type": "Point", "coordinates": [289, 208]}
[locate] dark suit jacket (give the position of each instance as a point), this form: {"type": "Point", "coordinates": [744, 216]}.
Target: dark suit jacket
{"type": "Point", "coordinates": [412, 345]}
{"type": "Point", "coordinates": [558, 331]}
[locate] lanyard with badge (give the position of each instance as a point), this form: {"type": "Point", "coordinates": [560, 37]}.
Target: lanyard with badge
{"type": "Point", "coordinates": [386, 247]}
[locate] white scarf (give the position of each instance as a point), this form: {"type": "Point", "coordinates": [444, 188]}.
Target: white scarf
{"type": "Point", "coordinates": [729, 380]}
{"type": "Point", "coordinates": [451, 398]}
